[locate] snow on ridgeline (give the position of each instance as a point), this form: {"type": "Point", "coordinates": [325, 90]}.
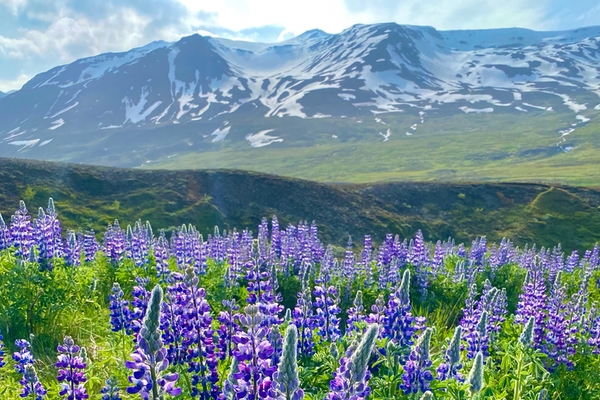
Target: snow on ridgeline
{"type": "Point", "coordinates": [261, 138]}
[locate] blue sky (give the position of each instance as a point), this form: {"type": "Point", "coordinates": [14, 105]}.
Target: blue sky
{"type": "Point", "coordinates": [36, 35]}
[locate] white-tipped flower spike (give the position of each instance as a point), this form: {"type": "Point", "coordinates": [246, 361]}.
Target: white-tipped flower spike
{"type": "Point", "coordinates": [527, 335]}
{"type": "Point", "coordinates": [288, 315]}
{"type": "Point", "coordinates": [405, 285]}
{"type": "Point", "coordinates": [150, 325]}
{"type": "Point", "coordinates": [424, 343]}
{"type": "Point", "coordinates": [333, 350]}
{"type": "Point", "coordinates": [230, 382]}
{"type": "Point", "coordinates": [360, 357]}
{"type": "Point", "coordinates": [427, 396]}
{"type": "Point", "coordinates": [482, 325]}
{"type": "Point", "coordinates": [454, 349]}
{"type": "Point", "coordinates": [476, 375]}
{"type": "Point", "coordinates": [288, 383]}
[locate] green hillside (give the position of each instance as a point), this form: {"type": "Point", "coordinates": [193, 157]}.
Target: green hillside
{"type": "Point", "coordinates": [499, 147]}
{"type": "Point", "coordinates": [92, 197]}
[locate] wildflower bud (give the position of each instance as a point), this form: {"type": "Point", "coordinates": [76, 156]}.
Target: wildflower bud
{"type": "Point", "coordinates": [427, 396]}
{"type": "Point", "coordinates": [476, 375]}
{"type": "Point", "coordinates": [361, 355]}
{"type": "Point", "coordinates": [526, 337]}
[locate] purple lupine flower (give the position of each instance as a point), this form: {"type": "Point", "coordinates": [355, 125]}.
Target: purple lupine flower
{"type": "Point", "coordinates": [150, 357]}
{"type": "Point", "coordinates": [70, 371]}
{"type": "Point", "coordinates": [356, 314]}
{"type": "Point", "coordinates": [572, 261]}
{"type": "Point", "coordinates": [72, 251]}
{"type": "Point", "coordinates": [44, 239]}
{"type": "Point", "coordinates": [558, 344]}
{"type": "Point", "coordinates": [461, 251]}
{"type": "Point", "coordinates": [366, 260]}
{"type": "Point", "coordinates": [114, 242]}
{"type": "Point", "coordinates": [139, 303]}
{"type": "Point", "coordinates": [23, 356]}
{"type": "Point", "coordinates": [438, 258]}
{"type": "Point", "coordinates": [304, 321]}
{"type": "Point", "coordinates": [450, 367]}
{"type": "Point", "coordinates": [399, 323]}
{"type": "Point", "coordinates": [198, 339]}
{"type": "Point", "coordinates": [90, 246]}
{"type": "Point", "coordinates": [173, 323]}
{"type": "Point", "coordinates": [254, 354]}
{"type": "Point", "coordinates": [5, 238]}
{"type": "Point", "coordinates": [119, 310]}
{"type": "Point", "coordinates": [227, 328]}
{"type": "Point", "coordinates": [378, 314]}
{"type": "Point", "coordinates": [161, 255]}
{"type": "Point", "coordinates": [478, 338]}
{"type": "Point", "coordinates": [31, 384]}
{"type": "Point", "coordinates": [592, 327]}
{"type": "Point", "coordinates": [275, 239]}
{"type": "Point", "coordinates": [326, 319]}
{"type": "Point", "coordinates": [350, 381]}
{"type": "Point", "coordinates": [499, 310]}
{"type": "Point", "coordinates": [419, 258]}
{"type": "Point", "coordinates": [470, 318]}
{"type": "Point", "coordinates": [135, 244]}
{"type": "Point", "coordinates": [2, 353]}
{"type": "Point", "coordinates": [21, 231]}
{"type": "Point", "coordinates": [110, 391]}
{"type": "Point", "coordinates": [533, 303]}
{"type": "Point", "coordinates": [417, 370]}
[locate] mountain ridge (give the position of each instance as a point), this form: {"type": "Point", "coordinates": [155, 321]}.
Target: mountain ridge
{"type": "Point", "coordinates": [367, 84]}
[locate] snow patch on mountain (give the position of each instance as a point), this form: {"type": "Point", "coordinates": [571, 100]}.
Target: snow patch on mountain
{"type": "Point", "coordinates": [261, 138]}
{"type": "Point", "coordinates": [386, 135]}
{"type": "Point", "coordinates": [64, 110]}
{"type": "Point", "coordinates": [137, 112]}
{"type": "Point", "coordinates": [468, 110]}
{"type": "Point", "coordinates": [220, 133]}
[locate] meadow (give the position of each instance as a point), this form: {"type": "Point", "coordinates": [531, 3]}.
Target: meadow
{"type": "Point", "coordinates": [503, 147]}
{"type": "Point", "coordinates": [277, 313]}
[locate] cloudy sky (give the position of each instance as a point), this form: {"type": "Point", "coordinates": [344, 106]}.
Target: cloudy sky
{"type": "Point", "coordinates": [36, 35]}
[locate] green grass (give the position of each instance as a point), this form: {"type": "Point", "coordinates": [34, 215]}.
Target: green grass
{"type": "Point", "coordinates": [502, 148]}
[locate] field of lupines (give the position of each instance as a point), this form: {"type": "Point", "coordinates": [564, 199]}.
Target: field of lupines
{"type": "Point", "coordinates": [280, 315]}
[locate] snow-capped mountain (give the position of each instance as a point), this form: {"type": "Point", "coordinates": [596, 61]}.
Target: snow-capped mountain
{"type": "Point", "coordinates": [202, 93]}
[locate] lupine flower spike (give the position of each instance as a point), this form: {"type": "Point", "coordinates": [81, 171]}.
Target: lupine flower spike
{"type": "Point", "coordinates": [286, 377]}
{"type": "Point", "coordinates": [150, 358]}
{"type": "Point", "coordinates": [110, 391]}
{"type": "Point", "coordinates": [476, 375]}
{"type": "Point", "coordinates": [350, 381]}
{"type": "Point", "coordinates": [31, 384]}
{"type": "Point", "coordinates": [70, 371]}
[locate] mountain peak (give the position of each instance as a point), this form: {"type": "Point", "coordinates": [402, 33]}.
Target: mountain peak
{"type": "Point", "coordinates": [313, 34]}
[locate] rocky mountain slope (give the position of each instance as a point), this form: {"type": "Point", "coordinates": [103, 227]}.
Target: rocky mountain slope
{"type": "Point", "coordinates": [369, 83]}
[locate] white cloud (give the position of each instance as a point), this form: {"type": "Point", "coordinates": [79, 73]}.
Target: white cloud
{"type": "Point", "coordinates": [14, 84]}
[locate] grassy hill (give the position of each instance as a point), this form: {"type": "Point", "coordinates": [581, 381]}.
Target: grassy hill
{"type": "Point", "coordinates": [92, 197]}
{"type": "Point", "coordinates": [478, 148]}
